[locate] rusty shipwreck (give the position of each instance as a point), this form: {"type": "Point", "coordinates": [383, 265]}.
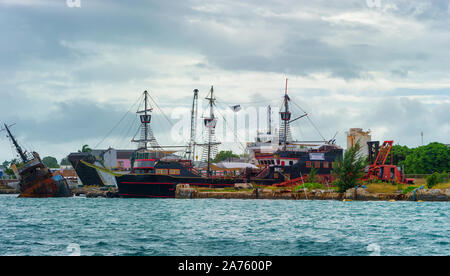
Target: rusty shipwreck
{"type": "Point", "coordinates": [36, 180]}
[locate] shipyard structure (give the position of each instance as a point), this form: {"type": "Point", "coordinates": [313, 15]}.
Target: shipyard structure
{"type": "Point", "coordinates": [355, 135]}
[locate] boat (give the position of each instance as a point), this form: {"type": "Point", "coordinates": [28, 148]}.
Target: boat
{"type": "Point", "coordinates": [36, 180]}
{"type": "Point", "coordinates": [289, 161]}
{"type": "Point", "coordinates": [115, 159]}
{"type": "Point", "coordinates": [156, 171]}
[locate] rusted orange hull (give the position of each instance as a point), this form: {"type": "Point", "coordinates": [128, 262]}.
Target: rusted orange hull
{"type": "Point", "coordinates": [44, 187]}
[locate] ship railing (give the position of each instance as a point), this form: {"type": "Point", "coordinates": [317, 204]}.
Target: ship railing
{"type": "Point", "coordinates": [194, 170]}
{"type": "Point", "coordinates": [264, 172]}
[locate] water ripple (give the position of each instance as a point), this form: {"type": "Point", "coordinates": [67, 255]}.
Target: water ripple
{"type": "Point", "coordinates": [221, 227]}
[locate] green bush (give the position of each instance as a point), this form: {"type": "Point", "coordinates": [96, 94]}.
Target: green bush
{"type": "Point", "coordinates": [436, 178]}
{"type": "Point", "coordinates": [351, 169]}
{"type": "Point", "coordinates": [409, 189]}
{"type": "Point", "coordinates": [312, 177]}
{"type": "Point", "coordinates": [309, 186]}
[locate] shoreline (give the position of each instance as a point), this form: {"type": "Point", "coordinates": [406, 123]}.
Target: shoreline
{"type": "Point", "coordinates": [184, 191]}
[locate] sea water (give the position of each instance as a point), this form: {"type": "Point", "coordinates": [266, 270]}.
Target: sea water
{"type": "Point", "coordinates": [84, 226]}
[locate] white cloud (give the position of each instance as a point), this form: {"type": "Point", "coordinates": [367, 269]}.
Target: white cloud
{"type": "Point", "coordinates": [344, 61]}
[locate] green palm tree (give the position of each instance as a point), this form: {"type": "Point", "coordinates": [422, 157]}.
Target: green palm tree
{"type": "Point", "coordinates": [86, 148]}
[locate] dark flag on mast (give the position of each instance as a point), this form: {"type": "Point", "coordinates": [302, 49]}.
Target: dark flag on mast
{"type": "Point", "coordinates": [236, 108]}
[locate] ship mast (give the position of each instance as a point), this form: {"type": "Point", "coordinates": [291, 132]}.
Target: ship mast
{"type": "Point", "coordinates": [211, 126]}
{"type": "Point", "coordinates": [194, 112]}
{"type": "Point", "coordinates": [146, 131]}
{"type": "Point", "coordinates": [18, 148]}
{"type": "Point", "coordinates": [285, 117]}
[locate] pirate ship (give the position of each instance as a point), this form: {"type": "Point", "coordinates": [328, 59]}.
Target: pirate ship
{"type": "Point", "coordinates": [36, 180]}
{"type": "Point", "coordinates": [285, 160]}
{"type": "Point", "coordinates": [156, 171]}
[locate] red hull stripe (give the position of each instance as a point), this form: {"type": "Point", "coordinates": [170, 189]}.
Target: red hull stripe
{"type": "Point", "coordinates": [147, 196]}
{"type": "Point", "coordinates": [148, 183]}
{"type": "Point", "coordinates": [160, 183]}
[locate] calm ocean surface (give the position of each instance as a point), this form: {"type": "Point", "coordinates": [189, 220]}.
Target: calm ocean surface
{"type": "Point", "coordinates": [221, 227]}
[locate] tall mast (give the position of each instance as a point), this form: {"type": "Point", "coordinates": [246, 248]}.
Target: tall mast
{"type": "Point", "coordinates": [146, 130]}
{"type": "Point", "coordinates": [18, 148]}
{"type": "Point", "coordinates": [211, 127]}
{"type": "Point", "coordinates": [286, 116]}
{"type": "Point", "coordinates": [194, 112]}
{"type": "Point", "coordinates": [146, 122]}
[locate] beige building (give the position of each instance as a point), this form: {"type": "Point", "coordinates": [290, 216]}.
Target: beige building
{"type": "Point", "coordinates": [357, 134]}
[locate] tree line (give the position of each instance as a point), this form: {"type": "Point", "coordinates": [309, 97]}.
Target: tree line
{"type": "Point", "coordinates": [432, 158]}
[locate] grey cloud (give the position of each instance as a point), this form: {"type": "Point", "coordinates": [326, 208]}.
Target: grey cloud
{"type": "Point", "coordinates": [37, 32]}
{"type": "Point", "coordinates": [267, 42]}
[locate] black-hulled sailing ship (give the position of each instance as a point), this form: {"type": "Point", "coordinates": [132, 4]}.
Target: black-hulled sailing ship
{"type": "Point", "coordinates": [156, 172]}
{"type": "Point", "coordinates": [284, 159]}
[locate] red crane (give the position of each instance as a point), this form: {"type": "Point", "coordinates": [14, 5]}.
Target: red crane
{"type": "Point", "coordinates": [385, 172]}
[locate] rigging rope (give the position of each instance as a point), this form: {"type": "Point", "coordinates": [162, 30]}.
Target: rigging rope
{"type": "Point", "coordinates": [109, 133]}
{"type": "Point", "coordinates": [129, 129]}
{"type": "Point", "coordinates": [160, 110]}
{"type": "Point", "coordinates": [236, 135]}
{"type": "Point", "coordinates": [309, 119]}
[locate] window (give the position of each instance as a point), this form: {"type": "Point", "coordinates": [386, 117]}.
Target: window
{"type": "Point", "coordinates": [144, 163]}
{"type": "Point", "coordinates": [162, 171]}
{"type": "Point", "coordinates": [326, 165]}
{"type": "Point", "coordinates": [334, 164]}
{"type": "Point", "coordinates": [174, 171]}
{"type": "Point", "coordinates": [317, 164]}
{"type": "Point", "coordinates": [308, 164]}
{"type": "Point", "coordinates": [291, 163]}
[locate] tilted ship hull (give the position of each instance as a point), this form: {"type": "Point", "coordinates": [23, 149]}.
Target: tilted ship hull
{"type": "Point", "coordinates": [36, 180]}
{"type": "Point", "coordinates": [88, 176]}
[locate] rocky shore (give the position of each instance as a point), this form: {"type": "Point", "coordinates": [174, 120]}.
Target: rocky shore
{"type": "Point", "coordinates": [185, 191]}
{"type": "Point", "coordinates": [9, 191]}
{"type": "Point", "coordinates": [94, 192]}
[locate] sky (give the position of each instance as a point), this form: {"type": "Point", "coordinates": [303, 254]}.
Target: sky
{"type": "Point", "coordinates": [72, 71]}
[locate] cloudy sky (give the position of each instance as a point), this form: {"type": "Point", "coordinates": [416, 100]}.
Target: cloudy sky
{"type": "Point", "coordinates": [69, 74]}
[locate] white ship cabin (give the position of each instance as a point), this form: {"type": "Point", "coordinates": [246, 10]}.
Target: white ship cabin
{"type": "Point", "coordinates": [272, 160]}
